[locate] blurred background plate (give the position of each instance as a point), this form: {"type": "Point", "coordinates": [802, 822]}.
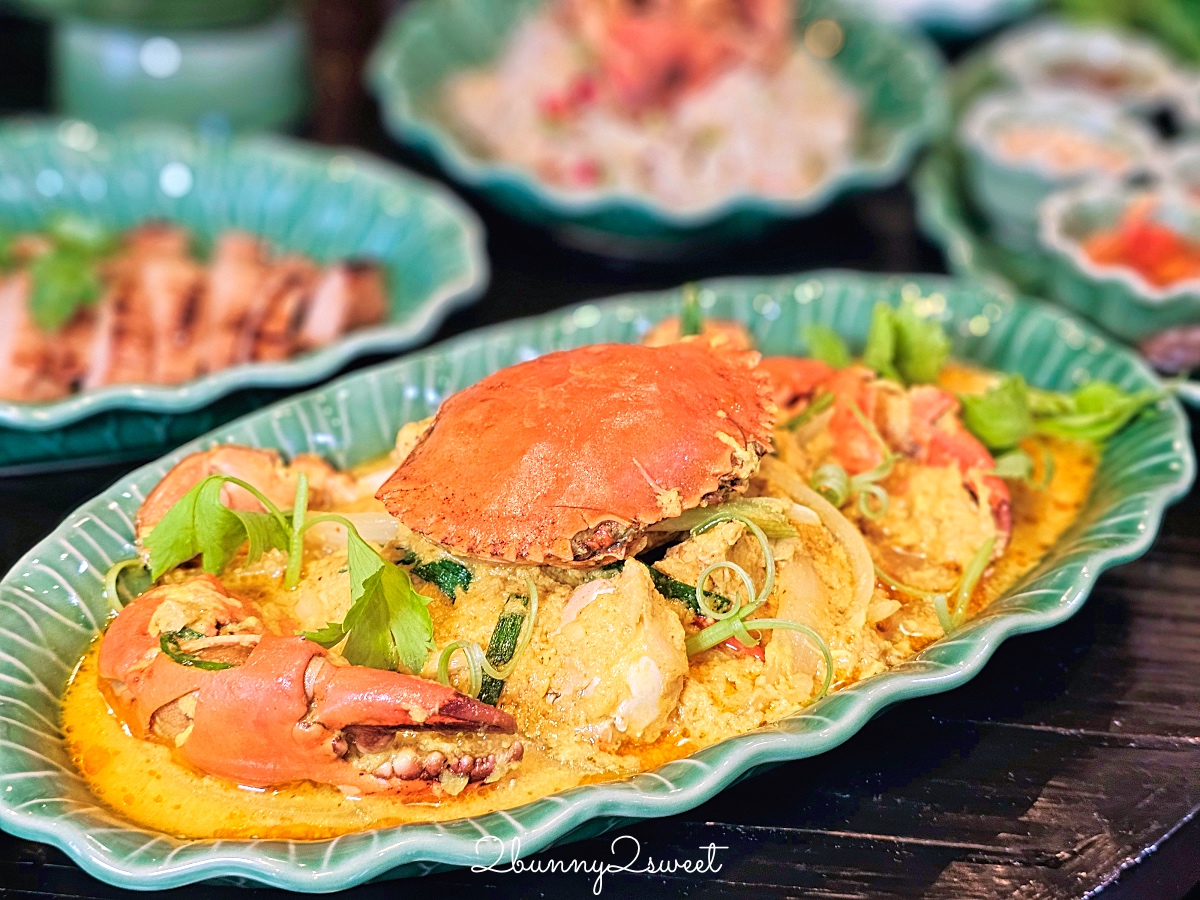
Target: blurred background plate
{"type": "Point", "coordinates": [327, 204]}
{"type": "Point", "coordinates": [58, 584]}
{"type": "Point", "coordinates": [953, 18]}
{"type": "Point", "coordinates": [897, 74]}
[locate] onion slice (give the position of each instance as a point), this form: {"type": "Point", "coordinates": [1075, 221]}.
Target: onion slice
{"type": "Point", "coordinates": [862, 567]}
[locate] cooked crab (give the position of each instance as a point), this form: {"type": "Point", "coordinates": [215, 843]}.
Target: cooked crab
{"type": "Point", "coordinates": [191, 666]}
{"type": "Point", "coordinates": [566, 459]}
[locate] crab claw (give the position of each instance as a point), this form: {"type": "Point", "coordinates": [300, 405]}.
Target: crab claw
{"type": "Point", "coordinates": [276, 709]}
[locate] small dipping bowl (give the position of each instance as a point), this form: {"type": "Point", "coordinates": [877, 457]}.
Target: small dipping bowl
{"type": "Point", "coordinates": [1127, 71]}
{"type": "Point", "coordinates": [1020, 148]}
{"type": "Point", "coordinates": [1118, 297]}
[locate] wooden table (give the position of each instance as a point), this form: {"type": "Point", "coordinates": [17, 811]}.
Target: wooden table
{"type": "Point", "coordinates": [1069, 767]}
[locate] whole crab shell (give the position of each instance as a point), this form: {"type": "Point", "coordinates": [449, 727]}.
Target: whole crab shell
{"type": "Point", "coordinates": [566, 459]}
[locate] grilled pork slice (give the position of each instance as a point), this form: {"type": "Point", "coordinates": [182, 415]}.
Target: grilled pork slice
{"type": "Point", "coordinates": [235, 281]}
{"type": "Point", "coordinates": [349, 295]}
{"type": "Point", "coordinates": [26, 352]}
{"type": "Point", "coordinates": [172, 290]}
{"type": "Point", "coordinates": [280, 308]}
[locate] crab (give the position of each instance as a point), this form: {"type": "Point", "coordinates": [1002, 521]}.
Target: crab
{"type": "Point", "coordinates": [920, 423]}
{"type": "Point", "coordinates": [189, 665]}
{"type": "Point", "coordinates": [567, 459]}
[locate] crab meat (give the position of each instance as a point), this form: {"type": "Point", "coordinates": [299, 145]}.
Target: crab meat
{"type": "Point", "coordinates": [920, 423]}
{"type": "Point", "coordinates": [262, 468]}
{"type": "Point", "coordinates": [567, 459]}
{"type": "Point", "coordinates": [621, 661]}
{"type": "Point", "coordinates": [718, 332]}
{"type": "Point", "coordinates": [284, 709]}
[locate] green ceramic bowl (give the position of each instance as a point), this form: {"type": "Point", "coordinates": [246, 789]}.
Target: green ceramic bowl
{"type": "Point", "coordinates": [1009, 191]}
{"type": "Point", "coordinates": [250, 78]}
{"type": "Point", "coordinates": [51, 605]}
{"type": "Point", "coordinates": [1036, 57]}
{"type": "Point", "coordinates": [897, 74]}
{"type": "Point", "coordinates": [1115, 296]}
{"type": "Point", "coordinates": [328, 204]}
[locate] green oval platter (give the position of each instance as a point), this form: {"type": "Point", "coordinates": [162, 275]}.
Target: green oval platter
{"type": "Point", "coordinates": [51, 603]}
{"type": "Point", "coordinates": [328, 204]}
{"type": "Point", "coordinates": [897, 73]}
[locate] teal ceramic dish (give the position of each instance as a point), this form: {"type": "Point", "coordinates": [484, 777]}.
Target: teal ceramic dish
{"type": "Point", "coordinates": [954, 18]}
{"type": "Point", "coordinates": [1129, 71]}
{"type": "Point", "coordinates": [52, 607]}
{"type": "Point", "coordinates": [1116, 296]}
{"type": "Point", "coordinates": [326, 204]}
{"type": "Point", "coordinates": [109, 74]}
{"type": "Point", "coordinates": [1009, 190]}
{"type": "Point", "coordinates": [897, 74]}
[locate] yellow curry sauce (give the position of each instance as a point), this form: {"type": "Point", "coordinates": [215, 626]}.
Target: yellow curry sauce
{"type": "Point", "coordinates": [147, 784]}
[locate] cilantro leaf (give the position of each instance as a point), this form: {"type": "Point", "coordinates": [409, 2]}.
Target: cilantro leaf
{"type": "Point", "coordinates": [1100, 411]}
{"type": "Point", "coordinates": [388, 625]}
{"type": "Point", "coordinates": [199, 524]}
{"type": "Point", "coordinates": [826, 345]}
{"type": "Point", "coordinates": [64, 279]}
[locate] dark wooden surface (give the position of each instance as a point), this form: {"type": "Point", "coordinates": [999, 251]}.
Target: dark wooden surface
{"type": "Point", "coordinates": [1069, 768]}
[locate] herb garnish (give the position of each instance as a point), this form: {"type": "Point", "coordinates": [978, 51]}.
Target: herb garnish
{"type": "Point", "coordinates": [387, 626]}
{"type": "Point", "coordinates": [1011, 411]}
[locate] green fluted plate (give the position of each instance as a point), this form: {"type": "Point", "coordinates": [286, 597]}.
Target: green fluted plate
{"type": "Point", "coordinates": [51, 605]}
{"type": "Point", "coordinates": [326, 204]}
{"type": "Point", "coordinates": [898, 75]}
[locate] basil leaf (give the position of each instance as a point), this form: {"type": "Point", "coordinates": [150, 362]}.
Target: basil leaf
{"type": "Point", "coordinates": [999, 417]}
{"type": "Point", "coordinates": [826, 345]}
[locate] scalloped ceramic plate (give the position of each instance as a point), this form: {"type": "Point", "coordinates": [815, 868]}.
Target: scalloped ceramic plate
{"type": "Point", "coordinates": [327, 204]}
{"type": "Point", "coordinates": [51, 605]}
{"type": "Point", "coordinates": [898, 74]}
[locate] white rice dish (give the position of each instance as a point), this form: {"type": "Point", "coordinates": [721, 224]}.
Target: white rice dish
{"type": "Point", "coordinates": [780, 133]}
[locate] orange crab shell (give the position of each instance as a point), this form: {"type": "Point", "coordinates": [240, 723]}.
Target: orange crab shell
{"type": "Point", "coordinates": [566, 459]}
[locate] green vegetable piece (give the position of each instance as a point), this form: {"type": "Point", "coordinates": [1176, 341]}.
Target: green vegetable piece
{"type": "Point", "coordinates": [448, 575]}
{"type": "Point", "coordinates": [904, 346]}
{"type": "Point", "coordinates": [691, 320]}
{"type": "Point", "coordinates": [388, 625]}
{"type": "Point", "coordinates": [819, 404]}
{"type": "Point", "coordinates": [169, 643]}
{"type": "Point", "coordinates": [1015, 465]}
{"type": "Point", "coordinates": [64, 279]}
{"type": "Point", "coordinates": [880, 351]}
{"type": "Point", "coordinates": [199, 524]}
{"type": "Point", "coordinates": [1000, 417]}
{"type": "Point", "coordinates": [684, 593]}
{"type": "Point", "coordinates": [826, 345]}
{"type": "Point", "coordinates": [922, 346]}
{"type": "Point", "coordinates": [503, 644]}
{"type": "Point", "coordinates": [1100, 410]}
